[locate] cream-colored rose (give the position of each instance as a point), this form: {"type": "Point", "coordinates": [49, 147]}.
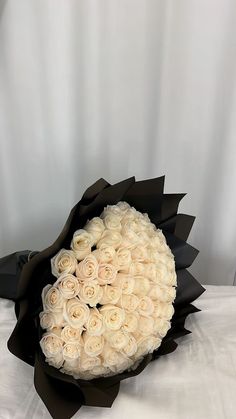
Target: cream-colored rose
{"type": "Point", "coordinates": [130, 215]}
{"type": "Point", "coordinates": [128, 302]}
{"type": "Point", "coordinates": [164, 276]}
{"type": "Point", "coordinates": [49, 320]}
{"type": "Point", "coordinates": [113, 359]}
{"type": "Point", "coordinates": [112, 222]}
{"type": "Point", "coordinates": [56, 361]}
{"type": "Point", "coordinates": [111, 294]}
{"type": "Point", "coordinates": [161, 326]}
{"type": "Point", "coordinates": [51, 345]}
{"type": "Point", "coordinates": [93, 345]}
{"type": "Point", "coordinates": [95, 227]}
{"type": "Point", "coordinates": [125, 282]}
{"type": "Point", "coordinates": [146, 325]}
{"type": "Point", "coordinates": [87, 363]}
{"type": "Point", "coordinates": [162, 293]}
{"type": "Point", "coordinates": [158, 241]}
{"type": "Point", "coordinates": [111, 210]}
{"type": "Point", "coordinates": [106, 273]}
{"type": "Point", "coordinates": [146, 306]}
{"type": "Point", "coordinates": [113, 316]}
{"type": "Point", "coordinates": [140, 254]}
{"type": "Point", "coordinates": [76, 313]}
{"type": "Point", "coordinates": [71, 335]}
{"type": "Point", "coordinates": [87, 269]}
{"type": "Point", "coordinates": [71, 351]}
{"type": "Point", "coordinates": [68, 285]}
{"type": "Point", "coordinates": [105, 255]}
{"type": "Point", "coordinates": [94, 324]}
{"type": "Point", "coordinates": [123, 207]}
{"type": "Point", "coordinates": [137, 268]}
{"type": "Point", "coordinates": [82, 243]}
{"type": "Point", "coordinates": [123, 258]}
{"type": "Point", "coordinates": [141, 286]}
{"type": "Point", "coordinates": [163, 310]}
{"type": "Point", "coordinates": [117, 339]}
{"type": "Point", "coordinates": [130, 323]}
{"type": "Point", "coordinates": [146, 344]}
{"type": "Point", "coordinates": [150, 271]}
{"type": "Point", "coordinates": [91, 293]}
{"type": "Point", "coordinates": [110, 238]}
{"type": "Point", "coordinates": [52, 299]}
{"type": "Point", "coordinates": [131, 348]}
{"type": "Point", "coordinates": [63, 262]}
{"type": "Point", "coordinates": [101, 371]}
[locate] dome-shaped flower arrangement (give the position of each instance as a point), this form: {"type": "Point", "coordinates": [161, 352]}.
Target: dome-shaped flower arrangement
{"type": "Point", "coordinates": [110, 295]}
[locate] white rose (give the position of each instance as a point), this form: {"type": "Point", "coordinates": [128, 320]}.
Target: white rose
{"type": "Point", "coordinates": [150, 271]}
{"type": "Point", "coordinates": [71, 352]}
{"type": "Point", "coordinates": [146, 306]}
{"type": "Point", "coordinates": [76, 313]}
{"type": "Point", "coordinates": [163, 310]}
{"type": "Point", "coordinates": [118, 339]}
{"type": "Point", "coordinates": [141, 286]}
{"type": "Point", "coordinates": [110, 295]}
{"type": "Point", "coordinates": [164, 276]}
{"type": "Point", "coordinates": [128, 302]}
{"type": "Point", "coordinates": [125, 282]}
{"type": "Point", "coordinates": [140, 254]}
{"type": "Point", "coordinates": [51, 345]}
{"type": "Point", "coordinates": [123, 207]}
{"type": "Point", "coordinates": [82, 243]}
{"type": "Point", "coordinates": [106, 273]}
{"type": "Point", "coordinates": [146, 325]}
{"type": "Point", "coordinates": [105, 255]}
{"type": "Point", "coordinates": [56, 361]}
{"type": "Point", "coordinates": [131, 322]}
{"type": "Point", "coordinates": [63, 262]}
{"type": "Point", "coordinates": [87, 363]}
{"type": "Point", "coordinates": [68, 285]}
{"type": "Point", "coordinates": [94, 324]}
{"type": "Point", "coordinates": [131, 348]}
{"type": "Point", "coordinates": [93, 345]}
{"type": "Point", "coordinates": [158, 241]}
{"type": "Point", "coordinates": [87, 269]}
{"type": "Point", "coordinates": [113, 316]}
{"type": "Point", "coordinates": [95, 227]}
{"type": "Point", "coordinates": [111, 210]}
{"type": "Point", "coordinates": [101, 371]}
{"type": "Point", "coordinates": [112, 222]}
{"type": "Point", "coordinates": [136, 268]}
{"type": "Point", "coordinates": [52, 299]}
{"type": "Point", "coordinates": [113, 359]}
{"type": "Point", "coordinates": [91, 293]}
{"type": "Point", "coordinates": [71, 335]}
{"type": "Point", "coordinates": [123, 258]}
{"type": "Point", "coordinates": [161, 326]}
{"type": "Point", "coordinates": [49, 320]}
{"type": "Point", "coordinates": [162, 293]}
{"type": "Point", "coordinates": [110, 238]}
{"type": "Point", "coordinates": [146, 344]}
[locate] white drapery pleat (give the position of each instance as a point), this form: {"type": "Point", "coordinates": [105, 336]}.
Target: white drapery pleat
{"type": "Point", "coordinates": [115, 88]}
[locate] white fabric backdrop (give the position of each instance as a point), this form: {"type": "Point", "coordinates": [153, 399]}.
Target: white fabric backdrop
{"type": "Point", "coordinates": [113, 88]}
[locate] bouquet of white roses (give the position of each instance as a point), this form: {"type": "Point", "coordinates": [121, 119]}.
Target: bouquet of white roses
{"type": "Point", "coordinates": [112, 301]}
{"type": "Point", "coordinates": [109, 296]}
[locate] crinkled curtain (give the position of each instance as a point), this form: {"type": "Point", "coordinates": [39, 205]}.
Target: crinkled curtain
{"type": "Point", "coordinates": [114, 88]}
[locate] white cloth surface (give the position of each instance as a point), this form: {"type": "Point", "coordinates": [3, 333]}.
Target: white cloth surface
{"type": "Point", "coordinates": [197, 381]}
{"type": "Point", "coordinates": [112, 89]}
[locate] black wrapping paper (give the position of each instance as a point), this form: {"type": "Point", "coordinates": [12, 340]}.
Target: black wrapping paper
{"type": "Point", "coordinates": [22, 279]}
